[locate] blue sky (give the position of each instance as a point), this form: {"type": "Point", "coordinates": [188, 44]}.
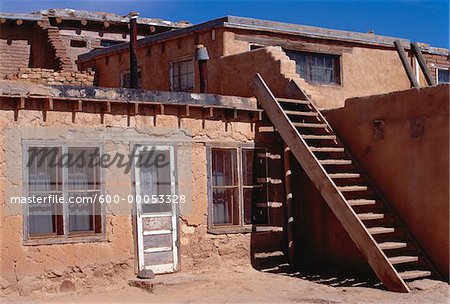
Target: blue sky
{"type": "Point", "coordinates": [425, 21]}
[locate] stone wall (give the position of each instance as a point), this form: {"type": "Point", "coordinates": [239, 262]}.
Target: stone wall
{"type": "Point", "coordinates": [50, 77]}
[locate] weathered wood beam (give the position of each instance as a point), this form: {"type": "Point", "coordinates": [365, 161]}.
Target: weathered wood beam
{"type": "Point", "coordinates": [404, 58]}
{"type": "Point", "coordinates": [423, 65]}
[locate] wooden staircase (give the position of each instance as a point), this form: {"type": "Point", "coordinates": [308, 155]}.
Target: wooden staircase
{"type": "Point", "coordinates": [359, 206]}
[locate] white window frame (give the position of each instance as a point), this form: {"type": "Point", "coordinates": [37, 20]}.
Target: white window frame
{"type": "Point", "coordinates": [437, 73]}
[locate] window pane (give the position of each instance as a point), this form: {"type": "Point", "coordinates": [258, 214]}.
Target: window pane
{"type": "Point", "coordinates": [225, 206]}
{"type": "Point", "coordinates": [83, 169]}
{"type": "Point", "coordinates": [443, 76]}
{"type": "Point", "coordinates": [44, 170]}
{"type": "Point", "coordinates": [42, 214]}
{"type": "Point", "coordinates": [83, 175]}
{"type": "Point", "coordinates": [253, 166]}
{"type": "Point", "coordinates": [155, 179]}
{"type": "Point", "coordinates": [81, 211]}
{"type": "Point", "coordinates": [224, 167]}
{"type": "Point", "coordinates": [314, 67]}
{"type": "Point", "coordinates": [183, 75]}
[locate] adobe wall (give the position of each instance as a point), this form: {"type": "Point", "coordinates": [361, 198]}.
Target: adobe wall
{"type": "Point", "coordinates": [408, 159]}
{"type": "Point", "coordinates": [366, 69]}
{"type": "Point", "coordinates": [51, 77]}
{"type": "Point", "coordinates": [26, 269]}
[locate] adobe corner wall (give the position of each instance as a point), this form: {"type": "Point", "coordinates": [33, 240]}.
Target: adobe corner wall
{"type": "Point", "coordinates": [402, 141]}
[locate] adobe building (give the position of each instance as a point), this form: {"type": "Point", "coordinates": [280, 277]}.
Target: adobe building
{"type": "Point", "coordinates": [270, 158]}
{"type": "Point", "coordinates": [53, 38]}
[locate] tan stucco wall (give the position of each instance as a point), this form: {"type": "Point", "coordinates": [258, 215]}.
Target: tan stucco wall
{"type": "Point", "coordinates": [26, 269]}
{"type": "Point", "coordinates": [366, 69]}
{"type": "Point", "coordinates": [411, 171]}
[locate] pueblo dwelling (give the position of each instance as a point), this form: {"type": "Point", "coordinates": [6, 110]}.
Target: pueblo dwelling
{"type": "Point", "coordinates": [233, 142]}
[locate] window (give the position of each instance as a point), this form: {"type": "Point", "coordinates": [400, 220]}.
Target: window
{"type": "Point", "coordinates": [442, 75]}
{"type": "Point", "coordinates": [253, 46]}
{"type": "Point", "coordinates": [125, 79]}
{"type": "Point", "coordinates": [238, 184]}
{"type": "Point", "coordinates": [63, 186]}
{"type": "Point", "coordinates": [316, 68]}
{"type": "Point", "coordinates": [182, 75]}
{"type": "Point", "coordinates": [78, 43]}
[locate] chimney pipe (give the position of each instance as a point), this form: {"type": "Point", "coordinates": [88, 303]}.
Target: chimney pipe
{"type": "Point", "coordinates": [201, 55]}
{"type": "Point", "coordinates": [134, 82]}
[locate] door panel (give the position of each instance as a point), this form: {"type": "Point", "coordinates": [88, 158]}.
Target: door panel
{"type": "Point", "coordinates": [156, 216]}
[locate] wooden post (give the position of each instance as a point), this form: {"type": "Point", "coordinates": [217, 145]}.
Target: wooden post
{"type": "Point", "coordinates": [404, 58]}
{"type": "Point", "coordinates": [423, 65]}
{"type": "Point", "coordinates": [289, 210]}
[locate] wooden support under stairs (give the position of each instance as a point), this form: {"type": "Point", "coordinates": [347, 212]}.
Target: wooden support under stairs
{"type": "Point", "coordinates": [356, 202]}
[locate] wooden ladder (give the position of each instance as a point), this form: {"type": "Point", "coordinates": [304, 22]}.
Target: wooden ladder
{"type": "Point", "coordinates": [359, 206]}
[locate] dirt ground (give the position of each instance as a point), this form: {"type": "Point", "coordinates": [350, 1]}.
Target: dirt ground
{"type": "Point", "coordinates": [242, 285]}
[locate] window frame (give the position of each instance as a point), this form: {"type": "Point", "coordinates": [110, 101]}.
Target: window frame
{"type": "Point", "coordinates": [66, 237]}
{"type": "Point", "coordinates": [242, 227]}
{"type": "Point", "coordinates": [171, 73]}
{"type": "Point", "coordinates": [437, 73]}
{"type": "Point", "coordinates": [337, 75]}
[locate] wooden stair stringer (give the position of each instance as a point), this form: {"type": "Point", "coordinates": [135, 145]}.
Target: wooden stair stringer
{"type": "Point", "coordinates": [335, 200]}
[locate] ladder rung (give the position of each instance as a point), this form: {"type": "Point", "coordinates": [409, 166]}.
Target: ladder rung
{"type": "Point", "coordinates": [414, 274]}
{"type": "Point", "coordinates": [403, 259]}
{"type": "Point", "coordinates": [392, 245]}
{"type": "Point", "coordinates": [309, 125]}
{"type": "Point", "coordinates": [298, 101]}
{"type": "Point", "coordinates": [326, 149]}
{"type": "Point", "coordinates": [352, 188]}
{"type": "Point", "coordinates": [370, 216]}
{"type": "Point", "coordinates": [290, 112]}
{"type": "Point", "coordinates": [380, 230]}
{"type": "Point", "coordinates": [319, 137]}
{"type": "Point", "coordinates": [335, 162]}
{"type": "Point", "coordinates": [344, 175]}
{"type": "Point", "coordinates": [361, 202]}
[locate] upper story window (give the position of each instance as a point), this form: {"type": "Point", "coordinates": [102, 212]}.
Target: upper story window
{"type": "Point", "coordinates": [182, 75]}
{"type": "Point", "coordinates": [238, 190]}
{"type": "Point", "coordinates": [78, 43]}
{"type": "Point", "coordinates": [125, 79]}
{"type": "Point", "coordinates": [442, 75]}
{"type": "Point", "coordinates": [316, 67]}
{"type": "Point", "coordinates": [63, 187]}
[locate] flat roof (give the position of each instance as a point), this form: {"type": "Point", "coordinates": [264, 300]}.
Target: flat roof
{"type": "Point", "coordinates": [267, 26]}
{"type": "Point", "coordinates": [72, 14]}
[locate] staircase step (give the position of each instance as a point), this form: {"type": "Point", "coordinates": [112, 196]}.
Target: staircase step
{"type": "Point", "coordinates": [403, 259]}
{"type": "Point", "coordinates": [344, 175]}
{"type": "Point", "coordinates": [291, 112]}
{"type": "Point", "coordinates": [370, 216]}
{"type": "Point", "coordinates": [319, 137]}
{"type": "Point", "coordinates": [392, 245]}
{"type": "Point", "coordinates": [326, 149]}
{"type": "Point", "coordinates": [361, 202]}
{"type": "Point", "coordinates": [309, 125]}
{"type": "Point", "coordinates": [380, 230]}
{"type": "Point", "coordinates": [335, 162]}
{"type": "Point", "coordinates": [352, 188]}
{"type": "Point", "coordinates": [414, 274]}
{"type": "Point", "coordinates": [297, 101]}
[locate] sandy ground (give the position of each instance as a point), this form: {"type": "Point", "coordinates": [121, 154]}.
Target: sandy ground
{"type": "Point", "coordinates": [242, 285]}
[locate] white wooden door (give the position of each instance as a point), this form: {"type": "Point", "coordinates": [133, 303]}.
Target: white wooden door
{"type": "Point", "coordinates": [156, 210]}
